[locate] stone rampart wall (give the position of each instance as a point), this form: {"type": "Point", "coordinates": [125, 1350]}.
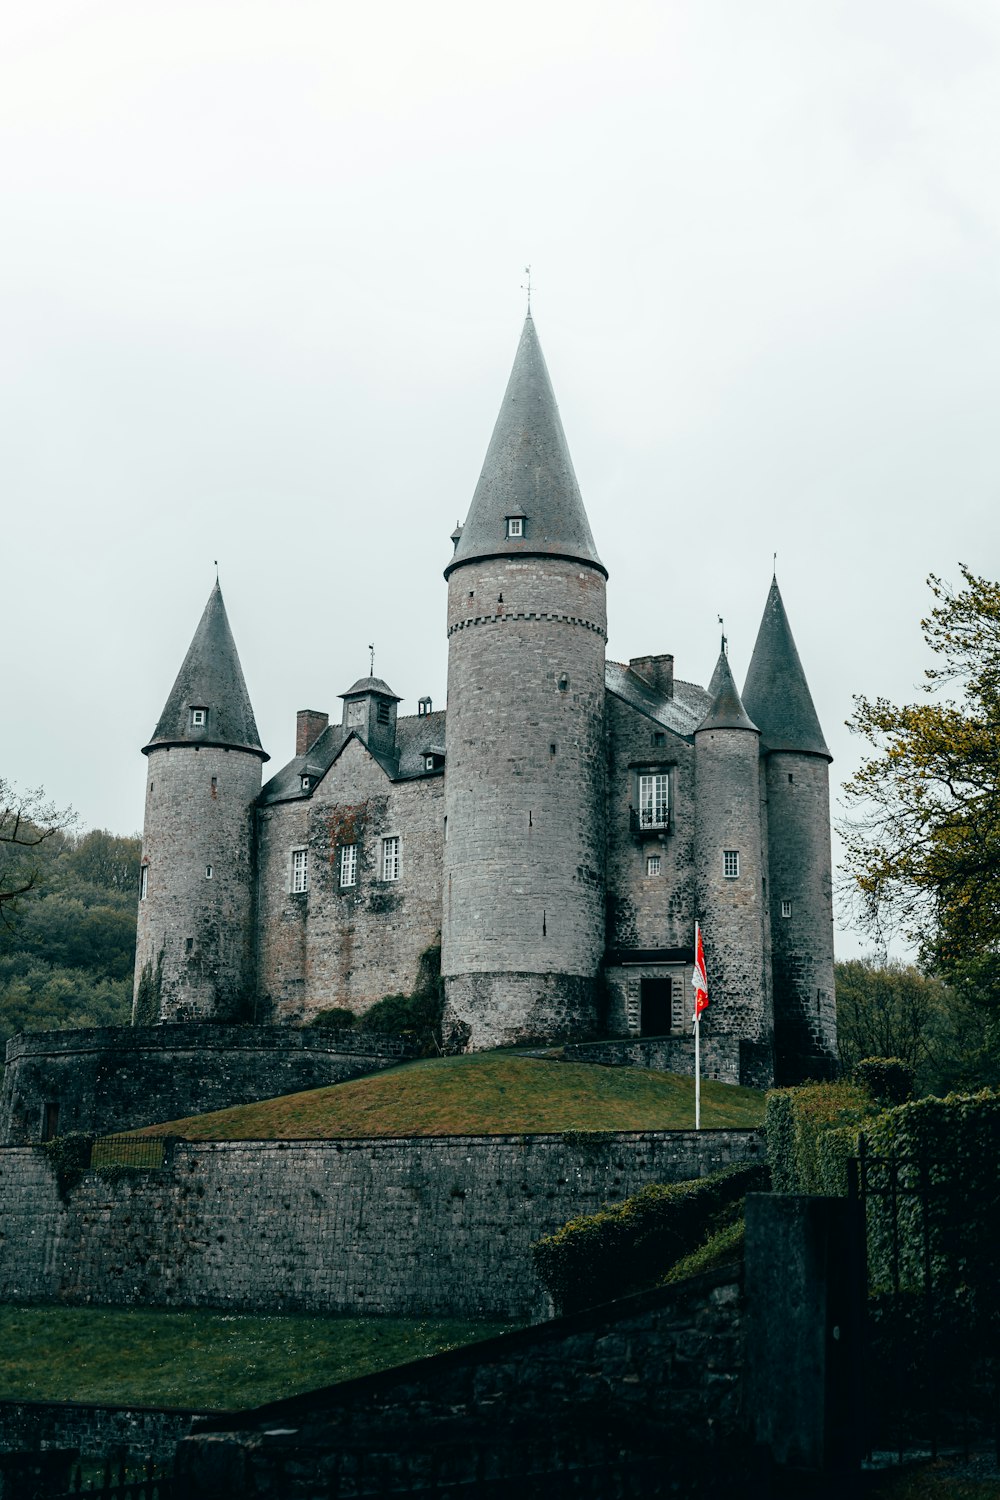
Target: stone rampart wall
{"type": "Point", "coordinates": [116, 1078]}
{"type": "Point", "coordinates": [636, 1397]}
{"type": "Point", "coordinates": [97, 1432]}
{"type": "Point", "coordinates": [434, 1226]}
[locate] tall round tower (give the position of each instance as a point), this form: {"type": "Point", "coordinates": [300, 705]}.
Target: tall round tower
{"type": "Point", "coordinates": [730, 875]}
{"type": "Point", "coordinates": [797, 784]}
{"type": "Point", "coordinates": [523, 918]}
{"type": "Point", "coordinates": [194, 945]}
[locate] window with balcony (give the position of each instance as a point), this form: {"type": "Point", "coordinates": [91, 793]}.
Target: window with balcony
{"type": "Point", "coordinates": [654, 799]}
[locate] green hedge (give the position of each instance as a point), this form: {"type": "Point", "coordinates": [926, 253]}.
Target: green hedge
{"type": "Point", "coordinates": [632, 1245]}
{"type": "Point", "coordinates": [888, 1080]}
{"type": "Point", "coordinates": [796, 1124]}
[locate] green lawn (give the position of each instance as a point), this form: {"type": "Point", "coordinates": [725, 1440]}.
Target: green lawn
{"type": "Point", "coordinates": [205, 1360]}
{"type": "Point", "coordinates": [485, 1093]}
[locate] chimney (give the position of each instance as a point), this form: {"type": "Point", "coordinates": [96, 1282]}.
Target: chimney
{"type": "Point", "coordinates": [656, 671]}
{"type": "Point", "coordinates": [309, 725]}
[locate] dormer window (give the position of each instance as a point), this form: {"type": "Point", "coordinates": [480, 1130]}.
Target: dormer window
{"type": "Point", "coordinates": [428, 762]}
{"type": "Point", "coordinates": [199, 718]}
{"type": "Point", "coordinates": [423, 707]}
{"type": "Point", "coordinates": [515, 526]}
{"type": "Point", "coordinates": [306, 782]}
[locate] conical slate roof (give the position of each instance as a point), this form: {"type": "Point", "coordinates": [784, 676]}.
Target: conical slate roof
{"type": "Point", "coordinates": [726, 709]}
{"type": "Point", "coordinates": [776, 693]}
{"type": "Point", "coordinates": [211, 678]}
{"type": "Point", "coordinates": [528, 474]}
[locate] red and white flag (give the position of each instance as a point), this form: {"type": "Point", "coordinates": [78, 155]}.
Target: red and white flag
{"type": "Point", "coordinates": [699, 978]}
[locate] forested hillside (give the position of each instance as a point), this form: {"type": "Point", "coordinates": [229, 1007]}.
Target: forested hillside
{"type": "Point", "coordinates": [67, 948]}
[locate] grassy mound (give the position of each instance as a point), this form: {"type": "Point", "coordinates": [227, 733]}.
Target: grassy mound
{"type": "Point", "coordinates": [486, 1093]}
{"type": "Point", "coordinates": [207, 1360]}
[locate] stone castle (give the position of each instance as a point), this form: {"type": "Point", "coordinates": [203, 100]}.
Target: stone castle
{"type": "Point", "coordinates": [558, 831]}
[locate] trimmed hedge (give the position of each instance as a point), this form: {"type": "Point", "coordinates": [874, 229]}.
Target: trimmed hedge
{"type": "Point", "coordinates": [632, 1245]}
{"type": "Point", "coordinates": [888, 1080]}
{"type": "Point", "coordinates": [796, 1124]}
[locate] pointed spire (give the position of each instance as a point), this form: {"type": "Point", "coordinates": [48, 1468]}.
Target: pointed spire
{"type": "Point", "coordinates": [527, 501]}
{"type": "Point", "coordinates": [210, 683]}
{"type": "Point", "coordinates": [726, 709]}
{"type": "Point", "coordinates": [776, 692]}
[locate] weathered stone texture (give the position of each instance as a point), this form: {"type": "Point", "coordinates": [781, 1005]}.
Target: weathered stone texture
{"type": "Point", "coordinates": [96, 1432]}
{"type": "Point", "coordinates": [335, 945]}
{"type": "Point", "coordinates": [419, 1226]}
{"type": "Point", "coordinates": [524, 858]}
{"type": "Point", "coordinates": [798, 822]}
{"type": "Point", "coordinates": [108, 1079]}
{"type": "Point", "coordinates": [199, 809]}
{"type": "Point", "coordinates": [719, 1059]}
{"type": "Point", "coordinates": [648, 911]}
{"type": "Point", "coordinates": [732, 910]}
{"type": "Point", "coordinates": [638, 1397]}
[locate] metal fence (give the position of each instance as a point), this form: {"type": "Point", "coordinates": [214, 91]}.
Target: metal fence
{"type": "Point", "coordinates": [135, 1152]}
{"type": "Point", "coordinates": [933, 1307]}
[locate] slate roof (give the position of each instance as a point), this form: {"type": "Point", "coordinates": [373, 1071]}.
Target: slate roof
{"type": "Point", "coordinates": [211, 677]}
{"type": "Point", "coordinates": [776, 693]}
{"type": "Point", "coordinates": [726, 709]}
{"type": "Point", "coordinates": [371, 685]}
{"type": "Point", "coordinates": [417, 735]}
{"type": "Point", "coordinates": [527, 472]}
{"type": "Point", "coordinates": [681, 714]}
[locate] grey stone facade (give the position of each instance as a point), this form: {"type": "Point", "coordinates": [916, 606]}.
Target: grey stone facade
{"type": "Point", "coordinates": [428, 1226]}
{"type": "Point", "coordinates": [558, 837]}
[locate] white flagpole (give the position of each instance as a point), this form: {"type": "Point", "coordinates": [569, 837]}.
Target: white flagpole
{"type": "Point", "coordinates": [697, 1073]}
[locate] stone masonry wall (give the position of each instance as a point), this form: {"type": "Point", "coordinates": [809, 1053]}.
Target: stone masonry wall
{"type": "Point", "coordinates": [195, 927]}
{"type": "Point", "coordinates": [648, 911]}
{"type": "Point", "coordinates": [334, 945]}
{"type": "Point", "coordinates": [524, 859]}
{"type": "Point", "coordinates": [719, 1055]}
{"type": "Point", "coordinates": [116, 1078]}
{"type": "Point", "coordinates": [431, 1226]}
{"type": "Point", "coordinates": [641, 1396]}
{"type": "Point", "coordinates": [140, 1432]}
{"type": "Point", "coordinates": [798, 821]}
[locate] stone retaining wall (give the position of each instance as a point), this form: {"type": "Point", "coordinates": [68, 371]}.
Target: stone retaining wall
{"type": "Point", "coordinates": [114, 1078]}
{"type": "Point", "coordinates": [98, 1432]}
{"type": "Point", "coordinates": [422, 1226]}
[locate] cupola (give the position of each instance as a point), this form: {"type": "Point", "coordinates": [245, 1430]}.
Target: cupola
{"type": "Point", "coordinates": [370, 710]}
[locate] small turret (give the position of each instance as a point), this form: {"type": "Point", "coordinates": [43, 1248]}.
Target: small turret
{"type": "Point", "coordinates": [370, 709]}
{"type": "Point", "coordinates": [194, 942]}
{"type": "Point", "coordinates": [796, 777]}
{"type": "Point", "coordinates": [730, 875]}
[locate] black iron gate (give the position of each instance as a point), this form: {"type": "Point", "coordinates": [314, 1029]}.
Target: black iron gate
{"type": "Point", "coordinates": [932, 1324]}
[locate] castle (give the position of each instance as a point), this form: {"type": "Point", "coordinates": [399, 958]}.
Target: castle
{"type": "Point", "coordinates": [558, 830]}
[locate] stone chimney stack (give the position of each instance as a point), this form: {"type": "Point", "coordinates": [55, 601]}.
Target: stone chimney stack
{"type": "Point", "coordinates": [657, 671]}
{"type": "Point", "coordinates": [309, 725]}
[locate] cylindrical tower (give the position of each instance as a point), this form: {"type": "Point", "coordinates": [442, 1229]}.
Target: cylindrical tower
{"type": "Point", "coordinates": [194, 944]}
{"type": "Point", "coordinates": [800, 864]}
{"type": "Point", "coordinates": [730, 876]}
{"type": "Point", "coordinates": [524, 853]}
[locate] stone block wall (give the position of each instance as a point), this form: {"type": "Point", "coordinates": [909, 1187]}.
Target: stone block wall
{"type": "Point", "coordinates": [720, 1055]}
{"type": "Point", "coordinates": [138, 1432]}
{"type": "Point", "coordinates": [334, 945]}
{"type": "Point", "coordinates": [116, 1078]}
{"type": "Point", "coordinates": [435, 1225]}
{"type": "Point", "coordinates": [637, 1397]}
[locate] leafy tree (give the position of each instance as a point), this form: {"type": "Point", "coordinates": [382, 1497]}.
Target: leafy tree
{"type": "Point", "coordinates": [923, 847]}
{"type": "Point", "coordinates": [27, 822]}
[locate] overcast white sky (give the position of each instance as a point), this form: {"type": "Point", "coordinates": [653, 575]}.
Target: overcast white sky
{"type": "Point", "coordinates": [260, 289]}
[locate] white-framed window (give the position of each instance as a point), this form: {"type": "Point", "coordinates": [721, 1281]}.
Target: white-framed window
{"type": "Point", "coordinates": [209, 872]}
{"type": "Point", "coordinates": [786, 908]}
{"type": "Point", "coordinates": [428, 762]}
{"type": "Point", "coordinates": [306, 783]}
{"type": "Point", "coordinates": [731, 863]}
{"type": "Point", "coordinates": [348, 864]}
{"type": "Point", "coordinates": [199, 718]}
{"type": "Point", "coordinates": [390, 858]}
{"type": "Point", "coordinates": [143, 882]}
{"type": "Point", "coordinates": [515, 526]}
{"type": "Point", "coordinates": [300, 871]}
{"type": "Point", "coordinates": [654, 799]}
{"type": "Point", "coordinates": [652, 864]}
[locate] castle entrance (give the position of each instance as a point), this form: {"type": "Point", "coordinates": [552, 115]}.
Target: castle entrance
{"type": "Point", "coordinates": [655, 1006]}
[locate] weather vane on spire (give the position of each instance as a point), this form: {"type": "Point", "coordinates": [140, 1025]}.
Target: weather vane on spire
{"type": "Point", "coordinates": [216, 570]}
{"type": "Point", "coordinates": [725, 641]}
{"type": "Point", "coordinates": [774, 565]}
{"type": "Point", "coordinates": [371, 661]}
{"type": "Point", "coordinates": [526, 287]}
